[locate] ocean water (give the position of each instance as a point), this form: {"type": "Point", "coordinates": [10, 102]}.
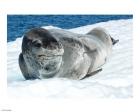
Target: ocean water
{"type": "Point", "coordinates": [17, 25]}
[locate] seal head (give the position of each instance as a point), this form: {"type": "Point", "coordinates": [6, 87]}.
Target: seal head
{"type": "Point", "coordinates": [41, 51]}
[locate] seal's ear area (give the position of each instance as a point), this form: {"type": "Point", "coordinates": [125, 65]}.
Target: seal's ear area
{"type": "Point", "coordinates": [114, 41]}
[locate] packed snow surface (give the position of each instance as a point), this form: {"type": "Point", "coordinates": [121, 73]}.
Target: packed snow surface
{"type": "Point", "coordinates": [114, 81]}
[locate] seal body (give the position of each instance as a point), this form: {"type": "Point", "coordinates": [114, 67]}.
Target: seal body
{"type": "Point", "coordinates": [50, 53]}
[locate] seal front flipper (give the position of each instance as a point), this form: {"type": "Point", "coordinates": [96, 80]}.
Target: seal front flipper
{"type": "Point", "coordinates": [92, 54]}
{"type": "Point", "coordinates": [24, 69]}
{"type": "Point", "coordinates": [91, 74]}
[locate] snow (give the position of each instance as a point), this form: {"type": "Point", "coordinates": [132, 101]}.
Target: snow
{"type": "Point", "coordinates": [114, 81]}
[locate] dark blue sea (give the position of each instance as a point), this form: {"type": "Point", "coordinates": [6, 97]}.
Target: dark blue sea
{"type": "Point", "coordinates": [17, 25]}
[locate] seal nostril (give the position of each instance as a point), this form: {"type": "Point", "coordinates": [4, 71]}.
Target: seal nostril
{"type": "Point", "coordinates": [47, 68]}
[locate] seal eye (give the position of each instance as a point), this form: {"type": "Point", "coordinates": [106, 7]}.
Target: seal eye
{"type": "Point", "coordinates": [36, 43]}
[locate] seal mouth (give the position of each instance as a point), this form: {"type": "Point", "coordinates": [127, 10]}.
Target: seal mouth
{"type": "Point", "coordinates": [41, 55]}
{"type": "Point", "coordinates": [47, 56]}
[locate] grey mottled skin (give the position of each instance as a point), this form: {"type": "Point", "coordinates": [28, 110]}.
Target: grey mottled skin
{"type": "Point", "coordinates": [59, 53]}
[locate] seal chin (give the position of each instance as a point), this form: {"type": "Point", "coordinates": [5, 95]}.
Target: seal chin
{"type": "Point", "coordinates": [47, 74]}
{"type": "Point", "coordinates": [51, 67]}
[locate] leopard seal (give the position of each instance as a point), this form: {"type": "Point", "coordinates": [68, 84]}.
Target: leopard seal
{"type": "Point", "coordinates": [50, 53]}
